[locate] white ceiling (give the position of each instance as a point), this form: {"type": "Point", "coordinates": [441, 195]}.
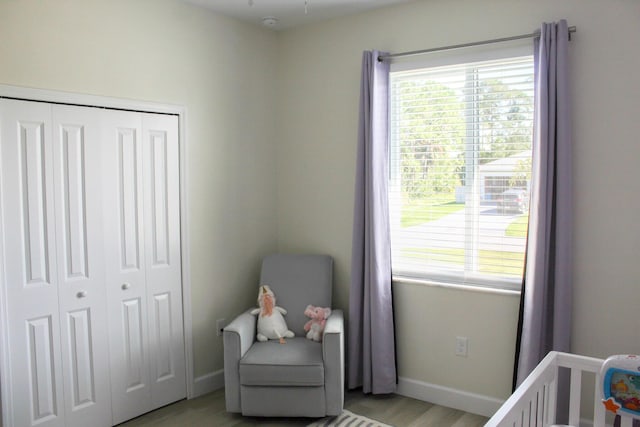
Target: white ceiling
{"type": "Point", "coordinates": [290, 13]}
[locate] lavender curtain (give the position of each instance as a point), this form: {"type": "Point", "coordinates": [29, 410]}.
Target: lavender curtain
{"type": "Point", "coordinates": [546, 304]}
{"type": "Point", "coordinates": [371, 351]}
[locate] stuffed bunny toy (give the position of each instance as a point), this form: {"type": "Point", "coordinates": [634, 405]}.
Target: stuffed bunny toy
{"type": "Point", "coordinates": [271, 323]}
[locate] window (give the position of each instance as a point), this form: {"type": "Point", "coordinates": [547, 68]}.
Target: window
{"type": "Point", "coordinates": [461, 139]}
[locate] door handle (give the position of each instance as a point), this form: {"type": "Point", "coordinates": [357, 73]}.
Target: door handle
{"type": "Point", "coordinates": [125, 286]}
{"type": "Point", "coordinates": [81, 294]}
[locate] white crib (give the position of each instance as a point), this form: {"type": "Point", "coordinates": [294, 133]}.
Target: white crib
{"type": "Point", "coordinates": [534, 401]}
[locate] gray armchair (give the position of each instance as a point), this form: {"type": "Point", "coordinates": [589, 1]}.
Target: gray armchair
{"type": "Point", "coordinates": [301, 378]}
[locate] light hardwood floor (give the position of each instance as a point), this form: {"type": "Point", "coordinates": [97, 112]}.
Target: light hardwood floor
{"type": "Point", "coordinates": [395, 410]}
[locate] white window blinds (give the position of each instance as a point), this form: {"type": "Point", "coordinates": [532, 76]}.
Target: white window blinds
{"type": "Point", "coordinates": [460, 170]}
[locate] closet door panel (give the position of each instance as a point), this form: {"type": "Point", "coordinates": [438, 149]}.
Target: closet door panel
{"type": "Point", "coordinates": [42, 375]}
{"type": "Point", "coordinates": [163, 262]}
{"type": "Point", "coordinates": [30, 271]}
{"type": "Point", "coordinates": [129, 197]}
{"type": "Point", "coordinates": [82, 293]}
{"type": "Point", "coordinates": [132, 325]}
{"type": "Point", "coordinates": [125, 273]}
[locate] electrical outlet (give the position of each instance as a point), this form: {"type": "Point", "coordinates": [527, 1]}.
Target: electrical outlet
{"type": "Point", "coordinates": [462, 346]}
{"type": "Point", "coordinates": [220, 324]}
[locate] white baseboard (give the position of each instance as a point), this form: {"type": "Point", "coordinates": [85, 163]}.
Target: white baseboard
{"type": "Point", "coordinates": [444, 396]}
{"type": "Point", "coordinates": [208, 382]}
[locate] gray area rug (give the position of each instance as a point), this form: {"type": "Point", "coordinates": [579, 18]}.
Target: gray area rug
{"type": "Point", "coordinates": [347, 419]}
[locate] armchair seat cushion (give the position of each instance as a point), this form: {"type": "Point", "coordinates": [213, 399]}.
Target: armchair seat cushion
{"type": "Point", "coordinates": [296, 363]}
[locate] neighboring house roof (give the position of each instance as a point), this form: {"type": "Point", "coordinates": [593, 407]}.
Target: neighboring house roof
{"type": "Point", "coordinates": [505, 166]}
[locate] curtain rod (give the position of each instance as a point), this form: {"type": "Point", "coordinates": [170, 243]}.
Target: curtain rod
{"type": "Point", "coordinates": [459, 46]}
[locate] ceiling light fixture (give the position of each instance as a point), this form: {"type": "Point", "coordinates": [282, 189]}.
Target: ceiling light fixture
{"type": "Point", "coordinates": [272, 21]}
{"type": "Point", "coordinates": [269, 21]}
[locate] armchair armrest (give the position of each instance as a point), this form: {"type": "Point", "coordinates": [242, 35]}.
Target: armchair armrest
{"type": "Point", "coordinates": [333, 356]}
{"type": "Point", "coordinates": [244, 327]}
{"type": "Point", "coordinates": [335, 323]}
{"type": "Point", "coordinates": [238, 336]}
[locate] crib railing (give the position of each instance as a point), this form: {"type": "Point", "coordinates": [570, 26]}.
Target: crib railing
{"type": "Point", "coordinates": [533, 404]}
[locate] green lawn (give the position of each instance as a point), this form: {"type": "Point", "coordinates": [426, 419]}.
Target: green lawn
{"type": "Point", "coordinates": [420, 211]}
{"type": "Point", "coordinates": [502, 263]}
{"type": "Point", "coordinates": [518, 228]}
{"type": "Point", "coordinates": [511, 265]}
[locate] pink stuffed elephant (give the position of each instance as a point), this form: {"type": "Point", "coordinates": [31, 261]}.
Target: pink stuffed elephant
{"type": "Point", "coordinates": [315, 326]}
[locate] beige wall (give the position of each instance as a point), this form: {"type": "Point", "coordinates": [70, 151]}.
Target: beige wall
{"type": "Point", "coordinates": [223, 72]}
{"type": "Point", "coordinates": [319, 83]}
{"type": "Point", "coordinates": [275, 114]}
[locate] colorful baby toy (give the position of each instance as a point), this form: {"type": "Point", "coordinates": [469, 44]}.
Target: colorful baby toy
{"type": "Point", "coordinates": [621, 384]}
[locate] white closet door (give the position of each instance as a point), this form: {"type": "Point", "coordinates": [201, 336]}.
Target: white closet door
{"type": "Point", "coordinates": [142, 244]}
{"type": "Point", "coordinates": [91, 263]}
{"type": "Point", "coordinates": [82, 294]}
{"type": "Point", "coordinates": [125, 264]}
{"type": "Point", "coordinates": [53, 259]}
{"type": "Point", "coordinates": [162, 260]}
{"type": "Point", "coordinates": [31, 277]}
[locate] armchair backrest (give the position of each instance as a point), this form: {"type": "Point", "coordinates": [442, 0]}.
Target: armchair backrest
{"type": "Point", "coordinates": [297, 281]}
